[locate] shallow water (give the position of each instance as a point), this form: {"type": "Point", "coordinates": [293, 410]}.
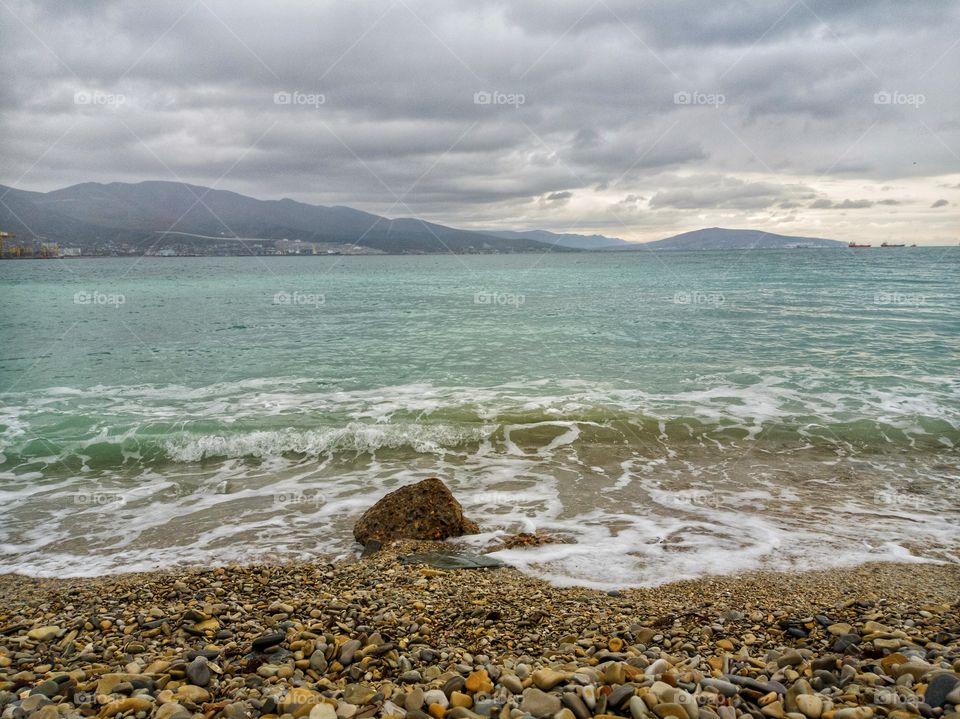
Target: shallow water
{"type": "Point", "coordinates": [668, 414]}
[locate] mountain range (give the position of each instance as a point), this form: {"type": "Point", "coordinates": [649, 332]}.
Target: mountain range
{"type": "Point", "coordinates": [146, 215]}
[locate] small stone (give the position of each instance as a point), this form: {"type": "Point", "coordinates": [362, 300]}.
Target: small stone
{"type": "Point", "coordinates": [436, 696]}
{"type": "Point", "coordinates": [619, 696]}
{"type": "Point", "coordinates": [638, 708]}
{"type": "Point", "coordinates": [512, 683]}
{"type": "Point", "coordinates": [413, 699]}
{"type": "Point", "coordinates": [773, 709]}
{"type": "Point", "coordinates": [128, 705]}
{"type": "Point", "coordinates": [853, 713]}
{"type": "Point", "coordinates": [265, 641]}
{"type": "Point", "coordinates": [575, 704]}
{"type": "Point", "coordinates": [359, 694]}
{"type": "Point", "coordinates": [410, 677]}
{"type": "Point", "coordinates": [810, 705]}
{"type": "Point", "coordinates": [193, 694]}
{"type": "Point", "coordinates": [299, 701]}
{"type": "Point", "coordinates": [839, 629]}
{"type": "Point", "coordinates": [323, 711]}
{"type": "Point", "coordinates": [670, 709]}
{"type": "Point", "coordinates": [790, 658]}
{"type": "Point", "coordinates": [44, 634]}
{"type": "Point", "coordinates": [939, 688]}
{"type": "Point", "coordinates": [459, 699]}
{"type": "Point", "coordinates": [48, 688]}
{"type": "Point", "coordinates": [723, 687]}
{"type": "Point", "coordinates": [198, 672]}
{"type": "Point", "coordinates": [657, 668]}
{"type": "Point", "coordinates": [172, 710]}
{"type": "Point", "coordinates": [891, 660]}
{"type": "Point", "coordinates": [725, 644]}
{"type": "Point", "coordinates": [540, 704]}
{"type": "Point", "coordinates": [348, 651]}
{"type": "Point", "coordinates": [547, 679]}
{"type": "Point", "coordinates": [915, 668]}
{"type": "Point", "coordinates": [479, 681]}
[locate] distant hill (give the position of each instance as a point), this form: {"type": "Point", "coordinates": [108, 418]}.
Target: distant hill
{"type": "Point", "coordinates": [579, 242]}
{"type": "Point", "coordinates": [719, 238]}
{"type": "Point", "coordinates": [97, 215]}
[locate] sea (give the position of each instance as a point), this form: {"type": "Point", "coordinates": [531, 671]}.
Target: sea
{"type": "Point", "coordinates": [663, 415]}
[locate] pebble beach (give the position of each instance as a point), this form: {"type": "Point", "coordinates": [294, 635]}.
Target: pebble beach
{"type": "Point", "coordinates": [382, 637]}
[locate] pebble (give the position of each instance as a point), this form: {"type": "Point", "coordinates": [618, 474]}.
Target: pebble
{"type": "Point", "coordinates": [43, 634]}
{"type": "Point", "coordinates": [547, 679]}
{"type": "Point", "coordinates": [323, 711]}
{"type": "Point", "coordinates": [328, 642]}
{"type": "Point", "coordinates": [810, 705]}
{"type": "Point", "coordinates": [538, 703]}
{"type": "Point", "coordinates": [359, 694]}
{"type": "Point", "coordinates": [940, 687]}
{"type": "Point", "coordinates": [265, 641]}
{"type": "Point", "coordinates": [198, 672]}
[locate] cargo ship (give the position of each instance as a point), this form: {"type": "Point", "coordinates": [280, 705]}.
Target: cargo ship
{"type": "Point", "coordinates": [857, 246]}
{"type": "Point", "coordinates": [887, 244]}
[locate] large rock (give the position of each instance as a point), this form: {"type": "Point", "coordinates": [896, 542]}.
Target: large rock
{"type": "Point", "coordinates": [425, 510]}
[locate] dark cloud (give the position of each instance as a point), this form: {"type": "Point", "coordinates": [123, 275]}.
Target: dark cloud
{"type": "Point", "coordinates": [940, 203]}
{"type": "Point", "coordinates": [825, 204]}
{"type": "Point", "coordinates": [460, 110]}
{"type": "Point", "coordinates": [725, 193]}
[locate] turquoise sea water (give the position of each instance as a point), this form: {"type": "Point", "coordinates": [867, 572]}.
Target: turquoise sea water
{"type": "Point", "coordinates": [668, 414]}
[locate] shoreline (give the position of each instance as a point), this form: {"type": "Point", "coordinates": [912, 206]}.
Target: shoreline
{"type": "Point", "coordinates": [376, 637]}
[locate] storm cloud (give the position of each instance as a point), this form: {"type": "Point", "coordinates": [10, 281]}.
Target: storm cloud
{"type": "Point", "coordinates": [633, 119]}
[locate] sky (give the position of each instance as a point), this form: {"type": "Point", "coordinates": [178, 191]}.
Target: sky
{"type": "Point", "coordinates": [636, 119]}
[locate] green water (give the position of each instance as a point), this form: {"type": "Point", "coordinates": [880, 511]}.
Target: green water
{"type": "Point", "coordinates": [668, 407]}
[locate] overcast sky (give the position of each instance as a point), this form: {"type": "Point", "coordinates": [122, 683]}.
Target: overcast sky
{"type": "Point", "coordinates": [633, 118]}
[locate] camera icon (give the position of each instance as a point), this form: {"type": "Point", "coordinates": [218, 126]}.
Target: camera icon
{"type": "Point", "coordinates": [882, 98]}
{"type": "Point", "coordinates": [682, 298]}
{"type": "Point", "coordinates": [82, 97]}
{"type": "Point", "coordinates": [482, 98]}
{"type": "Point", "coordinates": [282, 98]}
{"type": "Point", "coordinates": [682, 98]}
{"type": "Point", "coordinates": [282, 298]}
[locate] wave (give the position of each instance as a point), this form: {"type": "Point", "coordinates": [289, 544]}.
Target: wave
{"type": "Point", "coordinates": [105, 427]}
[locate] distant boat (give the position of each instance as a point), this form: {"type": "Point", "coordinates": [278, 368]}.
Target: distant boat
{"type": "Point", "coordinates": [887, 244]}
{"type": "Point", "coordinates": [856, 246]}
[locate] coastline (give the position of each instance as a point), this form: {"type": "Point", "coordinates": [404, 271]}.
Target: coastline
{"type": "Point", "coordinates": [371, 637]}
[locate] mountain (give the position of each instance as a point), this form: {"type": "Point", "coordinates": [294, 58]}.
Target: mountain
{"type": "Point", "coordinates": [153, 214]}
{"type": "Point", "coordinates": [578, 242]}
{"type": "Point", "coordinates": [719, 238]}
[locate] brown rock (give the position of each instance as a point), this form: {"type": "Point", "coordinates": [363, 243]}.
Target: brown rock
{"type": "Point", "coordinates": [425, 510]}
